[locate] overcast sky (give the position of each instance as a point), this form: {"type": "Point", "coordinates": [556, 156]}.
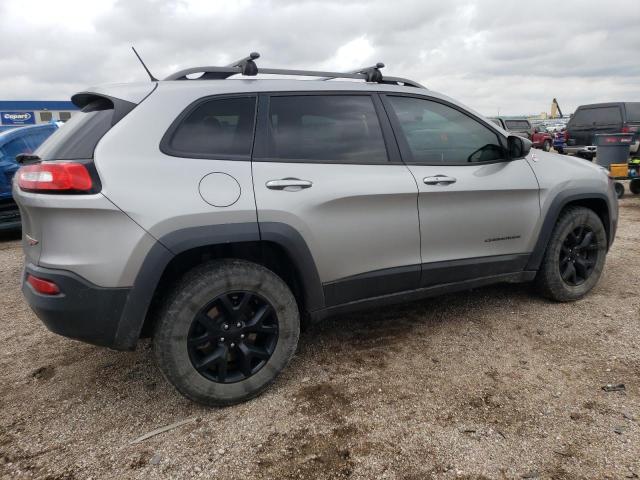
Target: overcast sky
{"type": "Point", "coordinates": [512, 56]}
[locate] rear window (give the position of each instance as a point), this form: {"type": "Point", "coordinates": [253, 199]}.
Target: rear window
{"type": "Point", "coordinates": [517, 124]}
{"type": "Point", "coordinates": [78, 138]}
{"type": "Point", "coordinates": [216, 128]}
{"type": "Point", "coordinates": [599, 116]}
{"type": "Point", "coordinates": [633, 111]}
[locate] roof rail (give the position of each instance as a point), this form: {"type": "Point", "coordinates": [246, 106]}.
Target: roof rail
{"type": "Point", "coordinates": [247, 66]}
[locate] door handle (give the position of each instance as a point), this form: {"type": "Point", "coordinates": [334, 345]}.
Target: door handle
{"type": "Point", "coordinates": [439, 180]}
{"type": "Point", "coordinates": [289, 184]}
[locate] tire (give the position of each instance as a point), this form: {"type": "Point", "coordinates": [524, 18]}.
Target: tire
{"type": "Point", "coordinates": [634, 186]}
{"type": "Point", "coordinates": [588, 260]}
{"type": "Point", "coordinates": [560, 150]}
{"type": "Point", "coordinates": [230, 311]}
{"type": "Point", "coordinates": [546, 146]}
{"type": "Point", "coordinates": [619, 189]}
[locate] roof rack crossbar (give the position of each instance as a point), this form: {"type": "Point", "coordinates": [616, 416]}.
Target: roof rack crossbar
{"type": "Point", "coordinates": [372, 74]}
{"type": "Point", "coordinates": [247, 66]}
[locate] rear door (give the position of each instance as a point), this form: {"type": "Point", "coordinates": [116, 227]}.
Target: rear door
{"type": "Point", "coordinates": [590, 121]}
{"type": "Point", "coordinates": [326, 165]}
{"type": "Point", "coordinates": [478, 211]}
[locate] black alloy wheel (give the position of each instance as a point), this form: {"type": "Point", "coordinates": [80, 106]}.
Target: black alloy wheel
{"type": "Point", "coordinates": [578, 255]}
{"type": "Point", "coordinates": [233, 336]}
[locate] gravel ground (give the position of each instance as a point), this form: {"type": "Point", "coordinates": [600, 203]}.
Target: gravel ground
{"type": "Point", "coordinates": [493, 383]}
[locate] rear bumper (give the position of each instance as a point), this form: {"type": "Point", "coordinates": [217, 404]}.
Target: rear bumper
{"type": "Point", "coordinates": [575, 149]}
{"type": "Point", "coordinates": [82, 310]}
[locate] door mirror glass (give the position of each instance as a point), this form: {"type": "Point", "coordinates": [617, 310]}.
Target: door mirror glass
{"type": "Point", "coordinates": [518, 147]}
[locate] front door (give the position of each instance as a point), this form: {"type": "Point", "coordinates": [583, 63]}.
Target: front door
{"type": "Point", "coordinates": [321, 166]}
{"type": "Point", "coordinates": [478, 211]}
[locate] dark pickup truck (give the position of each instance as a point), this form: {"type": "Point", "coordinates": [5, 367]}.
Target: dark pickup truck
{"type": "Point", "coordinates": [539, 136]}
{"type": "Point", "coordinates": [590, 120]}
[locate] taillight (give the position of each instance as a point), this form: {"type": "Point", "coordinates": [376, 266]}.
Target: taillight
{"type": "Point", "coordinates": [629, 129]}
{"type": "Point", "coordinates": [40, 285]}
{"type": "Point", "coordinates": [55, 177]}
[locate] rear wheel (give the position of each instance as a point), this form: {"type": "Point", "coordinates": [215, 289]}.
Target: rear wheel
{"type": "Point", "coordinates": [227, 331]}
{"type": "Point", "coordinates": [634, 186]}
{"type": "Point", "coordinates": [546, 146]}
{"type": "Point", "coordinates": [575, 256]}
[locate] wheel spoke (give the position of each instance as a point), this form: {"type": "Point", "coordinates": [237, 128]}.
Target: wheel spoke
{"type": "Point", "coordinates": [228, 309]}
{"type": "Point", "coordinates": [256, 324]}
{"type": "Point", "coordinates": [244, 303]}
{"type": "Point", "coordinates": [569, 273]}
{"type": "Point", "coordinates": [222, 367]}
{"type": "Point", "coordinates": [199, 340]}
{"type": "Point", "coordinates": [581, 268]}
{"type": "Point", "coordinates": [244, 359]}
{"type": "Point", "coordinates": [207, 322]}
{"type": "Point", "coordinates": [257, 352]}
{"type": "Point", "coordinates": [586, 241]}
{"type": "Point", "coordinates": [218, 356]}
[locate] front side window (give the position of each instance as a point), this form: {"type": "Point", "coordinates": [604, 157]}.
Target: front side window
{"type": "Point", "coordinates": [217, 127]}
{"type": "Point", "coordinates": [325, 128]}
{"type": "Point", "coordinates": [438, 134]}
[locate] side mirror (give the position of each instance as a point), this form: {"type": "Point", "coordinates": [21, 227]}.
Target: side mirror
{"type": "Point", "coordinates": [518, 147]}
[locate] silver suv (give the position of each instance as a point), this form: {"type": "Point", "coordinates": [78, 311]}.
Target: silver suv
{"type": "Point", "coordinates": [216, 215]}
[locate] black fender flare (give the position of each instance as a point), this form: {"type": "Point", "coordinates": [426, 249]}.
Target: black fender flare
{"type": "Point", "coordinates": [174, 243]}
{"type": "Point", "coordinates": [553, 213]}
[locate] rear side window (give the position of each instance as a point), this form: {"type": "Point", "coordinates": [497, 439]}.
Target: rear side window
{"type": "Point", "coordinates": [599, 116]}
{"type": "Point", "coordinates": [216, 128]}
{"type": "Point", "coordinates": [633, 112]}
{"type": "Point", "coordinates": [78, 138]}
{"type": "Point", "coordinates": [325, 128]}
{"type": "Point", "coordinates": [438, 134]}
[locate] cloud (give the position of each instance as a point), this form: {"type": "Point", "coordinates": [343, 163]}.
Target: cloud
{"type": "Point", "coordinates": [490, 54]}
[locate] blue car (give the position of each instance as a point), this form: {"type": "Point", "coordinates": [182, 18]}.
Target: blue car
{"type": "Point", "coordinates": [12, 143]}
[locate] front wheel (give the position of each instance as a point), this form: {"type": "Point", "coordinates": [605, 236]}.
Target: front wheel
{"type": "Point", "coordinates": [634, 186]}
{"type": "Point", "coordinates": [226, 332]}
{"type": "Point", "coordinates": [575, 256]}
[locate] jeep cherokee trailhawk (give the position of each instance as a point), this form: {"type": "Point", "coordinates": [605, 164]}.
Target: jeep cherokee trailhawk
{"type": "Point", "coordinates": [215, 214]}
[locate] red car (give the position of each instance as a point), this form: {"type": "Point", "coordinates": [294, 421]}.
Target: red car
{"type": "Point", "coordinates": [540, 137]}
